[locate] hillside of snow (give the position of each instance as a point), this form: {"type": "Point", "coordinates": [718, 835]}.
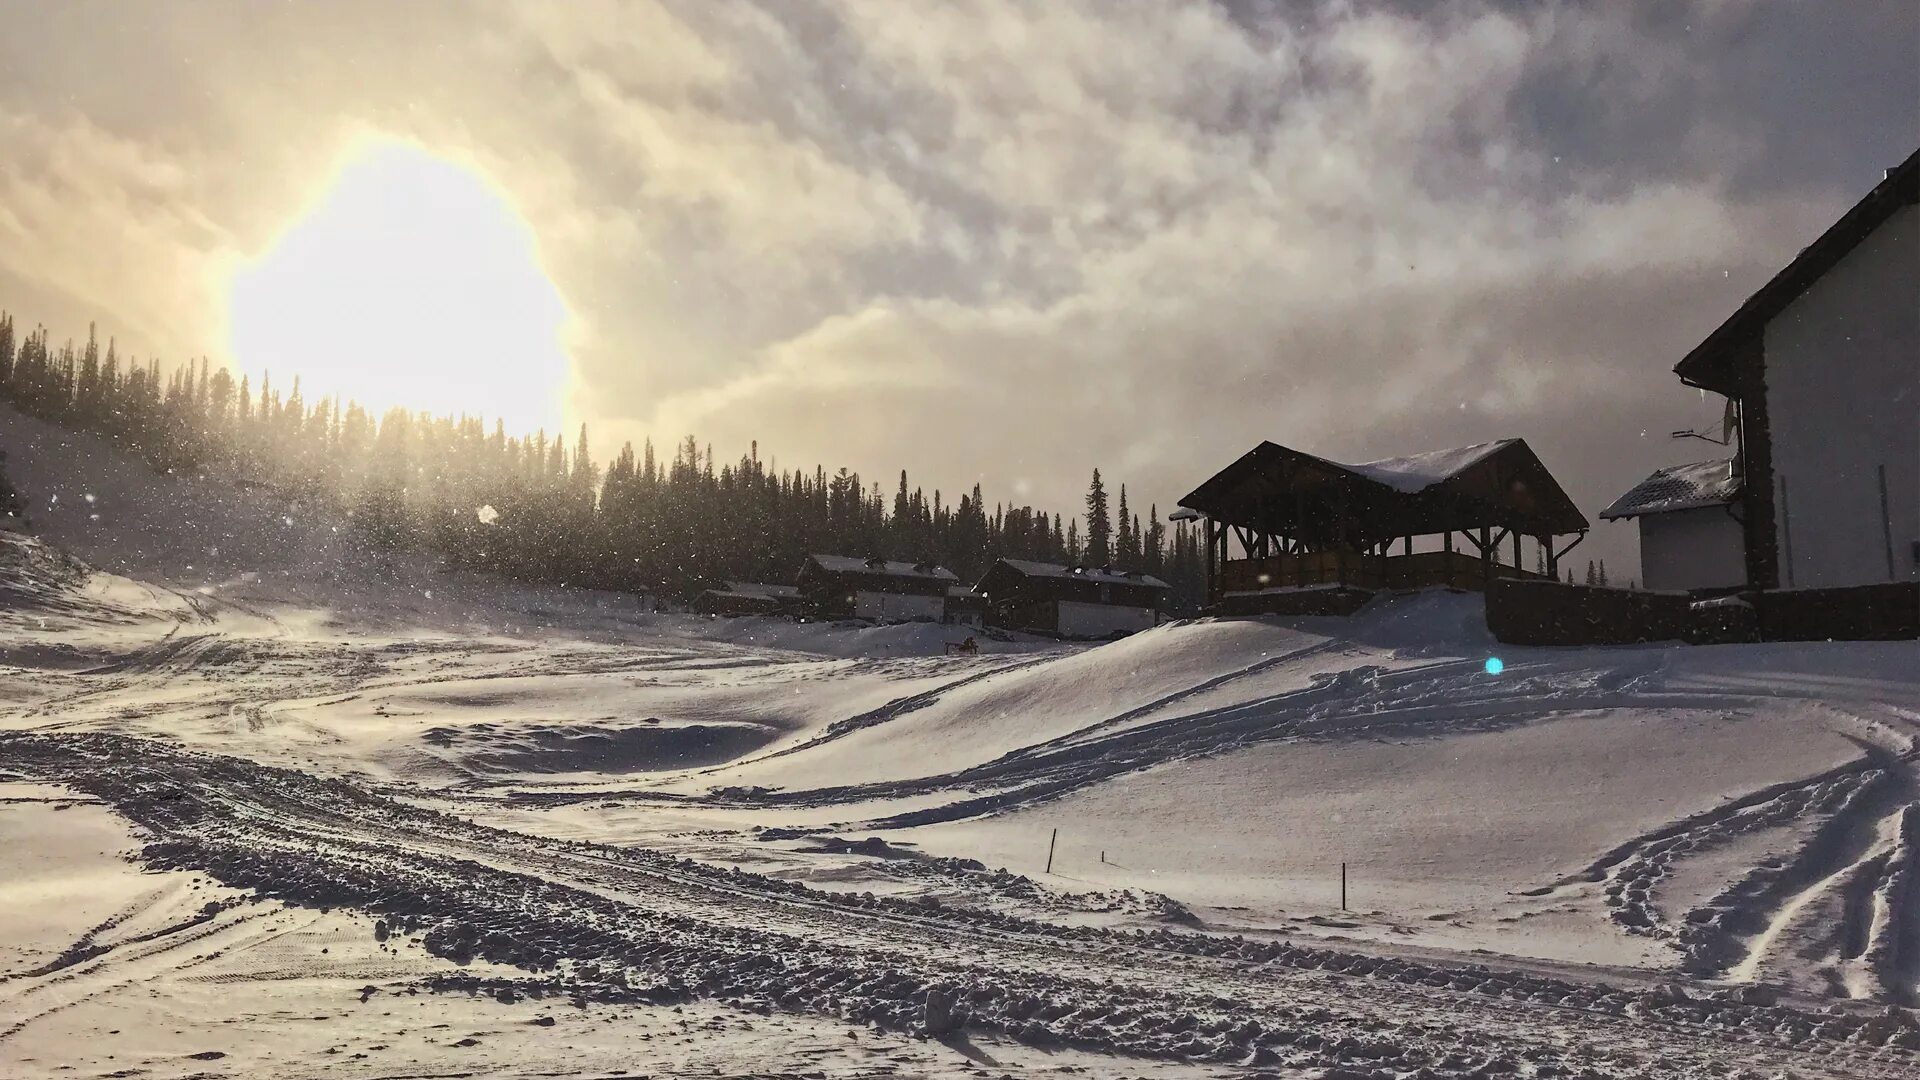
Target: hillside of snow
{"type": "Point", "coordinates": [1721, 836]}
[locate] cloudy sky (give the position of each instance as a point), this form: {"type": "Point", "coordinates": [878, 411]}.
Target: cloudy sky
{"type": "Point", "coordinates": [1005, 242]}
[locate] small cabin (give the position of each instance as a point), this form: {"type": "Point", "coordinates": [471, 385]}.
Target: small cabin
{"type": "Point", "coordinates": [878, 589]}
{"type": "Point", "coordinates": [965, 607]}
{"type": "Point", "coordinates": [1691, 536]}
{"type": "Point", "coordinates": [1082, 602]}
{"type": "Point", "coordinates": [748, 598]}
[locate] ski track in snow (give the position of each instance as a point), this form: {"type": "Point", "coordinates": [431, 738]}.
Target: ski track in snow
{"type": "Point", "coordinates": [623, 925]}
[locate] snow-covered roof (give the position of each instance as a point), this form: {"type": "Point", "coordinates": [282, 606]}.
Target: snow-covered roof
{"type": "Point", "coordinates": [848, 564]}
{"type": "Point", "coordinates": [1678, 487]}
{"type": "Point", "coordinates": [1278, 488]}
{"type": "Point", "coordinates": [1415, 473]}
{"type": "Point", "coordinates": [1105, 575]}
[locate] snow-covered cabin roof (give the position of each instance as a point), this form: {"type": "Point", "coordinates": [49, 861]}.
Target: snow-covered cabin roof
{"type": "Point", "coordinates": [848, 564]}
{"type": "Point", "coordinates": [1415, 473]}
{"type": "Point", "coordinates": [1678, 487]}
{"type": "Point", "coordinates": [1105, 575]}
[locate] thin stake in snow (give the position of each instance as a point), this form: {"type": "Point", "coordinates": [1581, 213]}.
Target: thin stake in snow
{"type": "Point", "coordinates": [1343, 886]}
{"type": "Point", "coordinates": [1050, 842]}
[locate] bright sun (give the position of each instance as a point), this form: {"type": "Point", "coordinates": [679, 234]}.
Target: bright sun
{"type": "Point", "coordinates": [412, 283]}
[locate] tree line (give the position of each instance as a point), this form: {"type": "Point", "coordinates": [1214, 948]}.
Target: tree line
{"type": "Point", "coordinates": [536, 508]}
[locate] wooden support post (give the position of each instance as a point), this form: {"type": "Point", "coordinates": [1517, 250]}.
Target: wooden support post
{"type": "Point", "coordinates": [1553, 559]}
{"type": "Point", "coordinates": [1449, 570]}
{"type": "Point", "coordinates": [1516, 554]}
{"type": "Point", "coordinates": [1206, 527]}
{"type": "Point", "coordinates": [1486, 555]}
{"type": "Point", "coordinates": [1340, 543]}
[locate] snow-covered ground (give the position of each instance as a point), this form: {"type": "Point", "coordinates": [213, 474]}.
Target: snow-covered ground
{"type": "Point", "coordinates": [595, 838]}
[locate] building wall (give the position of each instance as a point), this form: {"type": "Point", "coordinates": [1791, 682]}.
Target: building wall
{"type": "Point", "coordinates": [898, 607]}
{"type": "Point", "coordinates": [1083, 620]}
{"type": "Point", "coordinates": [1842, 367]}
{"type": "Point", "coordinates": [1701, 548]}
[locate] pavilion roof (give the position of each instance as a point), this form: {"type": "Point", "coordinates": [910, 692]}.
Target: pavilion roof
{"type": "Point", "coordinates": [1278, 489]}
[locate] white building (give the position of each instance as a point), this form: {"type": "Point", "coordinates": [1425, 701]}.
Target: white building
{"type": "Point", "coordinates": [1822, 369]}
{"type": "Point", "coordinates": [1690, 532]}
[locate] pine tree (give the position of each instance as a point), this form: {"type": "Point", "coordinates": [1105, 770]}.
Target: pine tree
{"type": "Point", "coordinates": [1603, 571]}
{"type": "Point", "coordinates": [1154, 555]}
{"type": "Point", "coordinates": [1099, 526]}
{"type": "Point", "coordinates": [1593, 575]}
{"type": "Point", "coordinates": [6, 350]}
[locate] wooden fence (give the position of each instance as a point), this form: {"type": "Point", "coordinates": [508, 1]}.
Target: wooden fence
{"type": "Point", "coordinates": [1540, 612]}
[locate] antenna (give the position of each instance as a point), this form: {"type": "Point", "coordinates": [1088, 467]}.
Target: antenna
{"type": "Point", "coordinates": [1696, 435]}
{"type": "Point", "coordinates": [1729, 422]}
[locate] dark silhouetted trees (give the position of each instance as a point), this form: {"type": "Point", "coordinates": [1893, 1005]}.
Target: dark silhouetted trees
{"type": "Point", "coordinates": [534, 508]}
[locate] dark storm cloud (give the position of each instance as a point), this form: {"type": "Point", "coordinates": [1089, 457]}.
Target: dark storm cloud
{"type": "Point", "coordinates": [1009, 242]}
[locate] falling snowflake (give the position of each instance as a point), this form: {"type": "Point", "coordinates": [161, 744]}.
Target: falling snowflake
{"type": "Point", "coordinates": [487, 514]}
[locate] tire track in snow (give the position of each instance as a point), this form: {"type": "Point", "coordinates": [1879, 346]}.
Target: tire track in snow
{"type": "Point", "coordinates": [1821, 905]}
{"type": "Point", "coordinates": [622, 924]}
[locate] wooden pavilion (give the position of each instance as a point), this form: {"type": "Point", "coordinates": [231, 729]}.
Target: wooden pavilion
{"type": "Point", "coordinates": [1303, 524]}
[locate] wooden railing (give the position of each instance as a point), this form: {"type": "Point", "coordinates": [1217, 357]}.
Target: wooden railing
{"type": "Point", "coordinates": [1420, 570]}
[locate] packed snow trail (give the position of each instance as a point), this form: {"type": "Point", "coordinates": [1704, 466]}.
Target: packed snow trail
{"type": "Point", "coordinates": [620, 924]}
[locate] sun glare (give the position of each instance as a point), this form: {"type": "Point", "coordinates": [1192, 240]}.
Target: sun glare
{"type": "Point", "coordinates": [412, 283]}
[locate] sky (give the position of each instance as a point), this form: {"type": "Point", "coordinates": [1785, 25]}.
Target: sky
{"type": "Point", "coordinates": [1003, 243]}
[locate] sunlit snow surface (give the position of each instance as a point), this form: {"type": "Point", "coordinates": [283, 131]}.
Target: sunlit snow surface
{"type": "Point", "coordinates": [1715, 816]}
